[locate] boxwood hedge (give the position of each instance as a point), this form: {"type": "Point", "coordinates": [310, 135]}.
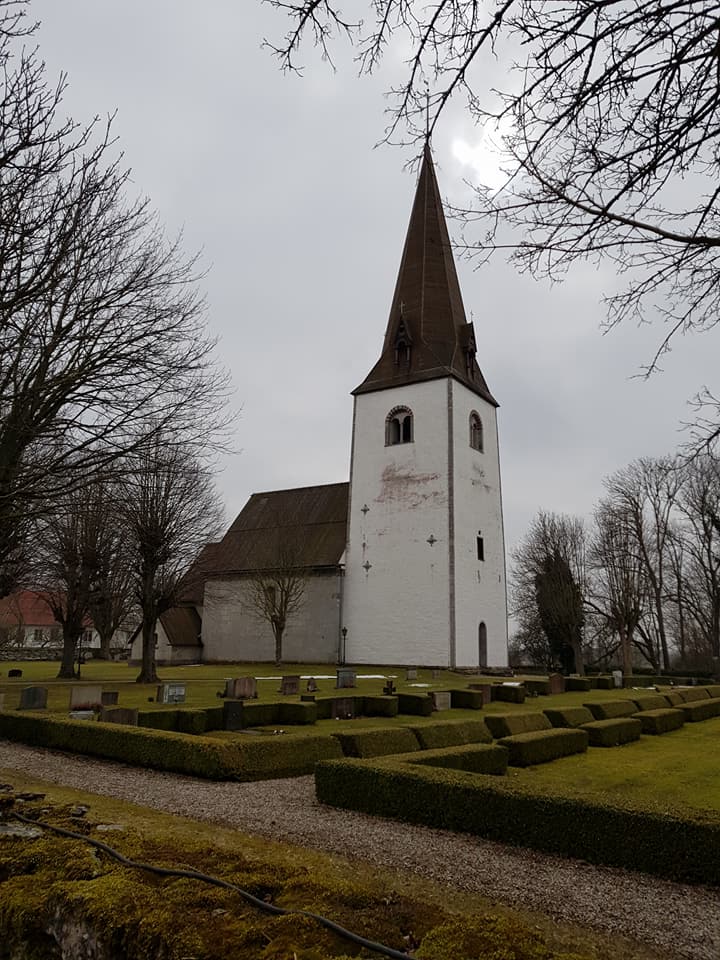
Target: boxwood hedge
{"type": "Point", "coordinates": [297, 713]}
{"type": "Point", "coordinates": [649, 701]}
{"type": "Point", "coordinates": [568, 716]}
{"type": "Point", "coordinates": [451, 733]}
{"type": "Point", "coordinates": [419, 705]}
{"type": "Point", "coordinates": [700, 710]}
{"type": "Point", "coordinates": [508, 724]}
{"type": "Point", "coordinates": [578, 683]}
{"type": "Point", "coordinates": [684, 849]}
{"type": "Point", "coordinates": [611, 709]}
{"type": "Point", "coordinates": [380, 706]}
{"type": "Point", "coordinates": [474, 758]}
{"type": "Point", "coordinates": [661, 721]}
{"type": "Point", "coordinates": [268, 757]}
{"type": "Point", "coordinates": [541, 746]}
{"type": "Point", "coordinates": [466, 699]}
{"type": "Point", "coordinates": [613, 733]}
{"type": "Point", "coordinates": [379, 742]}
{"type": "Point", "coordinates": [508, 693]}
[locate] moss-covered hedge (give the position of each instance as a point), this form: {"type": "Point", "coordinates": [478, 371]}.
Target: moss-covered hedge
{"type": "Point", "coordinates": [613, 733]}
{"type": "Point", "coordinates": [466, 699]}
{"type": "Point", "coordinates": [700, 710]}
{"type": "Point", "coordinates": [158, 719]}
{"type": "Point", "coordinates": [417, 705]}
{"type": "Point", "coordinates": [538, 687]}
{"type": "Point", "coordinates": [379, 742]}
{"type": "Point", "coordinates": [451, 733]}
{"type": "Point", "coordinates": [508, 724]}
{"type": "Point", "coordinates": [507, 693]}
{"type": "Point", "coordinates": [568, 716]}
{"type": "Point", "coordinates": [578, 683]}
{"type": "Point", "coordinates": [380, 706]}
{"type": "Point", "coordinates": [649, 701]}
{"type": "Point", "coordinates": [511, 812]}
{"type": "Point", "coordinates": [474, 758]}
{"type": "Point", "coordinates": [611, 709]}
{"type": "Point", "coordinates": [297, 713]}
{"type": "Point", "coordinates": [271, 757]}
{"type": "Point", "coordinates": [673, 699]}
{"type": "Point", "coordinates": [141, 747]}
{"type": "Point", "coordinates": [603, 683]}
{"type": "Point", "coordinates": [693, 694]}
{"type": "Point", "coordinates": [655, 722]}
{"type": "Point", "coordinates": [542, 746]}
{"type": "Point", "coordinates": [183, 720]}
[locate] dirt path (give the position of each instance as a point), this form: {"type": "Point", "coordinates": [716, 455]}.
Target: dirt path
{"type": "Point", "coordinates": [680, 919]}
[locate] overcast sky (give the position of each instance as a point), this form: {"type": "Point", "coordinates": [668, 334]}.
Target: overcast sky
{"type": "Point", "coordinates": [302, 223]}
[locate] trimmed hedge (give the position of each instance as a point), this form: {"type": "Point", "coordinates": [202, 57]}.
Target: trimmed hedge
{"type": "Point", "coordinates": [466, 699]}
{"type": "Point", "coordinates": [475, 758]}
{"type": "Point", "coordinates": [613, 733]}
{"type": "Point", "coordinates": [141, 747]}
{"type": "Point", "coordinates": [603, 683]}
{"type": "Point", "coordinates": [507, 693]}
{"type": "Point", "coordinates": [674, 699]}
{"type": "Point", "coordinates": [451, 733]}
{"type": "Point", "coordinates": [542, 746]}
{"type": "Point", "coordinates": [508, 724]}
{"type": "Point", "coordinates": [700, 710]}
{"type": "Point", "coordinates": [577, 683]}
{"type": "Point", "coordinates": [257, 714]}
{"type": "Point", "coordinates": [379, 742]}
{"type": "Point", "coordinates": [655, 722]}
{"type": "Point", "coordinates": [693, 694]}
{"type": "Point", "coordinates": [611, 709]}
{"type": "Point", "coordinates": [380, 706]}
{"type": "Point", "coordinates": [185, 720]}
{"type": "Point", "coordinates": [508, 811]}
{"type": "Point", "coordinates": [714, 690]}
{"type": "Point", "coordinates": [417, 705]}
{"type": "Point", "coordinates": [568, 716]}
{"type": "Point", "coordinates": [158, 719]}
{"type": "Point", "coordinates": [297, 713]}
{"type": "Point", "coordinates": [650, 702]}
{"type": "Point", "coordinates": [538, 688]}
{"type": "Point", "coordinates": [269, 758]}
{"type": "Point", "coordinates": [193, 721]}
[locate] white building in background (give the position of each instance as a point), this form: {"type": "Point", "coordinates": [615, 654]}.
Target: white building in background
{"type": "Point", "coordinates": [406, 564]}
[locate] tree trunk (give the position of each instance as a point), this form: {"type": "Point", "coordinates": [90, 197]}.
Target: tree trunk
{"type": "Point", "coordinates": [148, 670]}
{"type": "Point", "coordinates": [626, 651]}
{"type": "Point", "coordinates": [104, 652]}
{"type": "Point", "coordinates": [67, 663]}
{"type": "Point", "coordinates": [278, 631]}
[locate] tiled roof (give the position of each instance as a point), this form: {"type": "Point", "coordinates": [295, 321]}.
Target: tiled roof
{"type": "Point", "coordinates": [306, 526]}
{"type": "Point", "coordinates": [427, 313]}
{"type": "Point", "coordinates": [26, 608]}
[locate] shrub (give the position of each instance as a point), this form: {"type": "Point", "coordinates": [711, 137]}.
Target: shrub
{"type": "Point", "coordinates": [649, 702]}
{"type": "Point", "coordinates": [611, 709]}
{"type": "Point", "coordinates": [537, 687]}
{"type": "Point", "coordinates": [700, 710]}
{"type": "Point", "coordinates": [714, 690]}
{"type": "Point", "coordinates": [577, 683]}
{"type": "Point", "coordinates": [380, 706]}
{"type": "Point", "coordinates": [191, 721]}
{"type": "Point", "coordinates": [473, 758]}
{"type": "Point", "coordinates": [379, 742]}
{"type": "Point", "coordinates": [612, 733]}
{"type": "Point", "coordinates": [604, 683]}
{"type": "Point", "coordinates": [661, 721]}
{"type": "Point", "coordinates": [568, 716]}
{"type": "Point", "coordinates": [506, 725]}
{"type": "Point", "coordinates": [541, 746]}
{"type": "Point", "coordinates": [268, 758]}
{"type": "Point", "coordinates": [418, 705]}
{"type": "Point", "coordinates": [158, 719]}
{"type": "Point", "coordinates": [508, 693]}
{"type": "Point", "coordinates": [693, 694]}
{"type": "Point", "coordinates": [214, 719]}
{"type": "Point", "coordinates": [673, 698]}
{"type": "Point", "coordinates": [509, 811]}
{"type": "Point", "coordinates": [466, 699]}
{"type": "Point", "coordinates": [325, 706]}
{"type": "Point", "coordinates": [451, 733]}
{"type": "Point", "coordinates": [297, 713]}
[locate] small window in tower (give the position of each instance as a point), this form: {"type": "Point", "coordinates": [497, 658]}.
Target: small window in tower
{"type": "Point", "coordinates": [399, 426]}
{"type": "Point", "coordinates": [476, 431]}
{"type": "Point", "coordinates": [480, 547]}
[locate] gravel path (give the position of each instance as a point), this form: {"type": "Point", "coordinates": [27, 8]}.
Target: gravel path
{"type": "Point", "coordinates": [683, 920]}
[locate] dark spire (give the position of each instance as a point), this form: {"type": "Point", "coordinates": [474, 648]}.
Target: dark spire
{"type": "Point", "coordinates": [427, 336]}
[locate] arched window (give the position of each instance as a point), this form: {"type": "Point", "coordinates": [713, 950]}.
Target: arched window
{"type": "Point", "coordinates": [399, 426]}
{"type": "Point", "coordinates": [482, 645]}
{"type": "Point", "coordinates": [476, 432]}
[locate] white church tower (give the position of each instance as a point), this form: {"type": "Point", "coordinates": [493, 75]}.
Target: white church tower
{"type": "Point", "coordinates": [425, 560]}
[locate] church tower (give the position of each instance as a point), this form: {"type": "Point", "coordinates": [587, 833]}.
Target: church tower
{"type": "Point", "coordinates": [425, 559]}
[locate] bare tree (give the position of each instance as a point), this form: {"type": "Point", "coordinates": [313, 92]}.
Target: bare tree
{"type": "Point", "coordinates": [171, 510]}
{"type": "Point", "coordinates": [610, 120]}
{"type": "Point", "coordinates": [102, 332]}
{"type": "Point", "coordinates": [277, 594]}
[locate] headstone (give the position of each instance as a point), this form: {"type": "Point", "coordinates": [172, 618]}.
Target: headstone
{"type": "Point", "coordinates": [617, 676]}
{"type": "Point", "coordinates": [411, 673]}
{"type": "Point", "coordinates": [389, 689]}
{"type": "Point", "coordinates": [233, 715]}
{"type": "Point", "coordinates": [109, 698]}
{"type": "Point", "coordinates": [85, 697]}
{"type": "Point", "coordinates": [346, 677]}
{"type": "Point", "coordinates": [343, 708]}
{"type": "Point", "coordinates": [307, 698]}
{"type": "Point", "coordinates": [82, 714]}
{"type": "Point", "coordinates": [483, 688]}
{"type": "Point", "coordinates": [312, 685]}
{"type": "Point", "coordinates": [441, 699]}
{"type": "Point", "coordinates": [241, 688]}
{"type": "Point", "coordinates": [125, 715]}
{"type": "Point", "coordinates": [290, 686]}
{"type": "Point", "coordinates": [33, 698]}
{"type": "Point", "coordinates": [170, 693]}
{"type": "Point", "coordinates": [557, 683]}
{"type": "Point", "coordinates": [14, 673]}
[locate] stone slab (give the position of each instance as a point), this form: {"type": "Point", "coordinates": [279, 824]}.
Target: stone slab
{"type": "Point", "coordinates": [290, 685]}
{"type": "Point", "coordinates": [346, 677]}
{"type": "Point", "coordinates": [170, 693]}
{"type": "Point", "coordinates": [33, 698]}
{"type": "Point", "coordinates": [241, 688]}
{"type": "Point", "coordinates": [109, 698]}
{"type": "Point", "coordinates": [85, 694]}
{"type": "Point", "coordinates": [124, 715]}
{"type": "Point", "coordinates": [441, 699]}
{"type": "Point", "coordinates": [343, 708]}
{"type": "Point", "coordinates": [557, 683]}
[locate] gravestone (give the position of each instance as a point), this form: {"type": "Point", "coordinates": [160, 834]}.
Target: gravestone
{"type": "Point", "coordinates": [343, 708]}
{"type": "Point", "coordinates": [484, 689]}
{"type": "Point", "coordinates": [125, 715]}
{"type": "Point", "coordinates": [14, 673]}
{"type": "Point", "coordinates": [290, 686]}
{"type": "Point", "coordinates": [33, 698]}
{"type": "Point", "coordinates": [441, 699]}
{"type": "Point", "coordinates": [241, 688]}
{"type": "Point", "coordinates": [307, 698]}
{"type": "Point", "coordinates": [85, 697]}
{"type": "Point", "coordinates": [411, 673]}
{"type": "Point", "coordinates": [557, 683]}
{"type": "Point", "coordinates": [617, 676]}
{"type": "Point", "coordinates": [312, 685]}
{"type": "Point", "coordinates": [389, 689]}
{"type": "Point", "coordinates": [346, 677]}
{"type": "Point", "coordinates": [233, 715]}
{"type": "Point", "coordinates": [170, 693]}
{"type": "Point", "coordinates": [109, 698]}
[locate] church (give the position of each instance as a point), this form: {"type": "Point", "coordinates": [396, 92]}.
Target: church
{"type": "Point", "coordinates": [405, 564]}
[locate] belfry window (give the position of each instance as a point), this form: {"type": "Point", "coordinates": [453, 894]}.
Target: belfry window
{"type": "Point", "coordinates": [476, 432]}
{"type": "Point", "coordinates": [399, 426]}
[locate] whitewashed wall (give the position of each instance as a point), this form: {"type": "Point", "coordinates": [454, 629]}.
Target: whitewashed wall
{"type": "Point", "coordinates": [231, 630]}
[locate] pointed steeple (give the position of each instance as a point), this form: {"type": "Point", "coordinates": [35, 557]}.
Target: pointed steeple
{"type": "Point", "coordinates": [427, 336]}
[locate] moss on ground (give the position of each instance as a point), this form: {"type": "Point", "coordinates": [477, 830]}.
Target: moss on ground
{"type": "Point", "coordinates": [139, 916]}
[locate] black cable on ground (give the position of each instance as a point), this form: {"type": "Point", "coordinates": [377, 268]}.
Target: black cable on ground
{"type": "Point", "coordinates": [217, 882]}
